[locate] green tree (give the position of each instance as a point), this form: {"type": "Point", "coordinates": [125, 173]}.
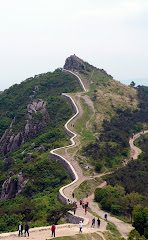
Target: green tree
{"type": "Point", "coordinates": [132, 84]}
{"type": "Point", "coordinates": [129, 201]}
{"type": "Point", "coordinates": [55, 214]}
{"type": "Point", "coordinates": [140, 219]}
{"type": "Point", "coordinates": [134, 235]}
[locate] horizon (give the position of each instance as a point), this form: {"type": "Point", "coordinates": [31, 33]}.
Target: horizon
{"type": "Point", "coordinates": [138, 81]}
{"type": "Point", "coordinates": [37, 37]}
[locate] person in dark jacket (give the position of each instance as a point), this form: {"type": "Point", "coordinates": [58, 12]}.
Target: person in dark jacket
{"type": "Point", "coordinates": [20, 229]}
{"type": "Point", "coordinates": [26, 229]}
{"type": "Point", "coordinates": [98, 220]}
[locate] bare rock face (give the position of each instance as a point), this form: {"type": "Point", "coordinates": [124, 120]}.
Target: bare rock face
{"type": "Point", "coordinates": [13, 186]}
{"type": "Point", "coordinates": [36, 89]}
{"type": "Point", "coordinates": [11, 141]}
{"type": "Point", "coordinates": [74, 63]}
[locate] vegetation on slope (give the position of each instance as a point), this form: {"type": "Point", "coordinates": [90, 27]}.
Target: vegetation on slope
{"type": "Point", "coordinates": [133, 181]}
{"type": "Point", "coordinates": [38, 200]}
{"type": "Point", "coordinates": [112, 145]}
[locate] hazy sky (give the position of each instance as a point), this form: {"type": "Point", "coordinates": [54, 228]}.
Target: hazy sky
{"type": "Point", "coordinates": [38, 35]}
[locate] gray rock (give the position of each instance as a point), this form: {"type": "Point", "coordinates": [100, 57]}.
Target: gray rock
{"type": "Point", "coordinates": [11, 141]}
{"type": "Point", "coordinates": [74, 63]}
{"type": "Point", "coordinates": [29, 157]}
{"type": "Point", "coordinates": [13, 186]}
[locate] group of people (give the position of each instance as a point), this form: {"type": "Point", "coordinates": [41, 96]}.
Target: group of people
{"type": "Point", "coordinates": [20, 229]}
{"type": "Point", "coordinates": [84, 205]}
{"type": "Point", "coordinates": [93, 222]}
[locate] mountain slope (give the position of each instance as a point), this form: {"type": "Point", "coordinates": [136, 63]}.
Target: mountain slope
{"type": "Point", "coordinates": [34, 114]}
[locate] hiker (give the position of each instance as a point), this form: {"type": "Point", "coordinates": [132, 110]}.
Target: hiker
{"type": "Point", "coordinates": [80, 202]}
{"type": "Point", "coordinates": [75, 207]}
{"type": "Point", "coordinates": [83, 205]}
{"type": "Point", "coordinates": [73, 195]}
{"type": "Point", "coordinates": [98, 220]}
{"type": "Point", "coordinates": [20, 228]}
{"type": "Point", "coordinates": [105, 216]}
{"type": "Point", "coordinates": [87, 195]}
{"type": "Point", "coordinates": [93, 222]}
{"type": "Point", "coordinates": [86, 204]}
{"type": "Point", "coordinates": [53, 228]}
{"type": "Point", "coordinates": [26, 229]}
{"type": "Point", "coordinates": [85, 211]}
{"type": "Point", "coordinates": [80, 226]}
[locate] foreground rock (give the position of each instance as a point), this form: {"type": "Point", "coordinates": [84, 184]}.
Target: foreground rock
{"type": "Point", "coordinates": [13, 186]}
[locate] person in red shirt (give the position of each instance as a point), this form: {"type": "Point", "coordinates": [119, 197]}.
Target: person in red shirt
{"type": "Point", "coordinates": [85, 211]}
{"type": "Point", "coordinates": [53, 228]}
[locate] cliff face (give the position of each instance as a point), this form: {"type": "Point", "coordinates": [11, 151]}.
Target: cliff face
{"type": "Point", "coordinates": [37, 118]}
{"type": "Point", "coordinates": [13, 186]}
{"type": "Point", "coordinates": [75, 63]}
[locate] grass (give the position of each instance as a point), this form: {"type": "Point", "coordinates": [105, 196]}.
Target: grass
{"type": "Point", "coordinates": [91, 236]}
{"type": "Point", "coordinates": [80, 126]}
{"type": "Point", "coordinates": [112, 233]}
{"type": "Point", "coordinates": [93, 213]}
{"type": "Point", "coordinates": [88, 186]}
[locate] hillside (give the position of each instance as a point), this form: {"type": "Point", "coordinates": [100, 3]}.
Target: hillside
{"type": "Point", "coordinates": [32, 118]}
{"type": "Point", "coordinates": [33, 114]}
{"type": "Point", "coordinates": [107, 104]}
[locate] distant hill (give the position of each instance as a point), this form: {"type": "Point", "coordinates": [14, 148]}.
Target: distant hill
{"type": "Point", "coordinates": [138, 81]}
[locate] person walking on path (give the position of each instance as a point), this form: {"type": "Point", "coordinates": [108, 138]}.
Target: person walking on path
{"type": "Point", "coordinates": [20, 228]}
{"type": "Point", "coordinates": [80, 226]}
{"type": "Point", "coordinates": [53, 228]}
{"type": "Point", "coordinates": [85, 211]}
{"type": "Point", "coordinates": [105, 216]}
{"type": "Point", "coordinates": [73, 195]}
{"type": "Point", "coordinates": [27, 229]}
{"type": "Point", "coordinates": [75, 208]}
{"type": "Point", "coordinates": [98, 220]}
{"type": "Point", "coordinates": [93, 222]}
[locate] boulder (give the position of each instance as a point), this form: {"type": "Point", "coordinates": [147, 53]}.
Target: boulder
{"type": "Point", "coordinates": [13, 186]}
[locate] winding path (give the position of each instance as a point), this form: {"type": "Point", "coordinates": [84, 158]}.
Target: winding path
{"type": "Point", "coordinates": [135, 151]}
{"type": "Point", "coordinates": [75, 171]}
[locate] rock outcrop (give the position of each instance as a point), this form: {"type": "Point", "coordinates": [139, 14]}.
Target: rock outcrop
{"type": "Point", "coordinates": [13, 186]}
{"type": "Point", "coordinates": [75, 63]}
{"type": "Point", "coordinates": [11, 141]}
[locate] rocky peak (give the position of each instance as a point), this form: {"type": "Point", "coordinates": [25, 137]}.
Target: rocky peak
{"type": "Point", "coordinates": [74, 63]}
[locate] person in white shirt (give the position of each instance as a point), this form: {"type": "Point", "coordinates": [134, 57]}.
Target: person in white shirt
{"type": "Point", "coordinates": [80, 226]}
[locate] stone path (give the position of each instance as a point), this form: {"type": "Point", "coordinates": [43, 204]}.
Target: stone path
{"type": "Point", "coordinates": [135, 151]}
{"type": "Point", "coordinates": [45, 232]}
